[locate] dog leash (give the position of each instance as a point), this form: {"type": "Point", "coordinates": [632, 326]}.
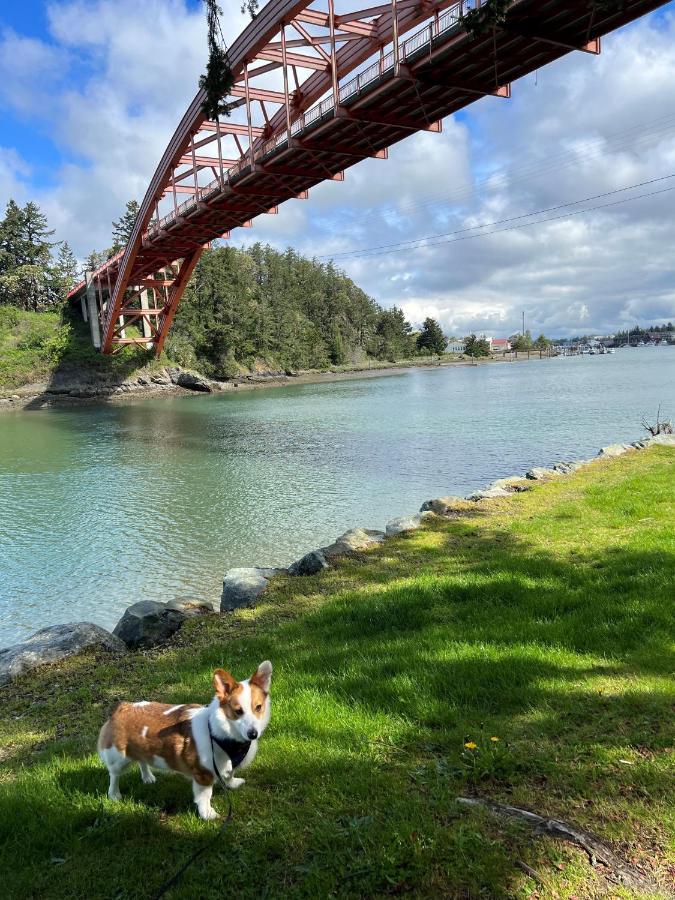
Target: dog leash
{"type": "Point", "coordinates": [169, 883]}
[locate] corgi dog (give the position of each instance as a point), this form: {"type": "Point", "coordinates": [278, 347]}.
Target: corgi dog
{"type": "Point", "coordinates": [203, 743]}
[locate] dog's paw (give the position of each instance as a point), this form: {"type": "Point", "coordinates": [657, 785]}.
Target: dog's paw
{"type": "Point", "coordinates": [114, 795]}
{"type": "Point", "coordinates": [148, 777]}
{"type": "Point", "coordinates": [235, 783]}
{"type": "Point", "coordinates": [208, 815]}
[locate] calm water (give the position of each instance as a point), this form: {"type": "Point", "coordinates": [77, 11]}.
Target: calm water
{"type": "Point", "coordinates": [102, 506]}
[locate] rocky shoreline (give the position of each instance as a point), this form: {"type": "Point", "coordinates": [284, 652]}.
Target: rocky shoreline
{"type": "Point", "coordinates": [149, 623]}
{"type": "Point", "coordinates": [78, 386]}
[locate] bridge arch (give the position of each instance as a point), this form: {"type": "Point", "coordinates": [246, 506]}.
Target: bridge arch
{"type": "Point", "coordinates": [315, 92]}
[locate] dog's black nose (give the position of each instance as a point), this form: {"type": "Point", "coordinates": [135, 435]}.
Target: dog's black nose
{"type": "Point", "coordinates": [252, 734]}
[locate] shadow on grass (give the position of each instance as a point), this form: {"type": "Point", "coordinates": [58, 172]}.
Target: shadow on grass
{"type": "Point", "coordinates": [79, 370]}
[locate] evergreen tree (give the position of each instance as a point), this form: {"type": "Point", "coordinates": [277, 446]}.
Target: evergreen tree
{"type": "Point", "coordinates": [476, 346]}
{"type": "Point", "coordinates": [24, 238]}
{"type": "Point", "coordinates": [431, 339]}
{"type": "Point", "coordinates": [337, 352]}
{"type": "Point", "coordinates": [37, 248]}
{"type": "Point", "coordinates": [27, 279]}
{"type": "Point", "coordinates": [123, 227]}
{"type": "Point", "coordinates": [245, 307]}
{"type": "Point", "coordinates": [66, 269]}
{"type": "Point", "coordinates": [12, 238]}
{"type": "Point", "coordinates": [521, 341]}
{"type": "Point", "coordinates": [94, 260]}
{"type": "Point", "coordinates": [393, 336]}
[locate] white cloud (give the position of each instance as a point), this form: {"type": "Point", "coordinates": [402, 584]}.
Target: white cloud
{"type": "Point", "coordinates": [14, 172]}
{"type": "Point", "coordinates": [29, 71]}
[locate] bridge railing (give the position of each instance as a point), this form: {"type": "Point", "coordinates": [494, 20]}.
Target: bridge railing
{"type": "Point", "coordinates": [420, 40]}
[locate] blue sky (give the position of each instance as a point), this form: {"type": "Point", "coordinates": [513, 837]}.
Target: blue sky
{"type": "Point", "coordinates": [91, 90]}
{"type": "Point", "coordinates": [16, 131]}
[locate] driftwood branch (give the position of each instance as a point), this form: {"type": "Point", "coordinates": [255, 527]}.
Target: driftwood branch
{"type": "Point", "coordinates": [665, 427]}
{"type": "Point", "coordinates": [597, 850]}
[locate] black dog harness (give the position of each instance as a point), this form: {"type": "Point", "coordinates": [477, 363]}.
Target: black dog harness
{"type": "Point", "coordinates": [236, 750]}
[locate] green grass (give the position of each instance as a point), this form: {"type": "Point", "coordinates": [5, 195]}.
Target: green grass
{"type": "Point", "coordinates": [35, 346]}
{"type": "Point", "coordinates": [544, 619]}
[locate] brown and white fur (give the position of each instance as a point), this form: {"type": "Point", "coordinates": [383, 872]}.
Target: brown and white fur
{"type": "Point", "coordinates": [160, 736]}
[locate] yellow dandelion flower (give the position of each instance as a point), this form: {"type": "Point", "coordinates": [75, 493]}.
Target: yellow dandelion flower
{"type": "Point", "coordinates": [494, 739]}
{"type": "Point", "coordinates": [470, 745]}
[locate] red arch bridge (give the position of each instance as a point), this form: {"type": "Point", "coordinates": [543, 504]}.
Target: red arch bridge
{"type": "Point", "coordinates": [315, 92]}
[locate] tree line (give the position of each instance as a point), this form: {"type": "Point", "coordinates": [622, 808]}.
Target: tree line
{"type": "Point", "coordinates": [240, 305]}
{"type": "Point", "coordinates": [283, 308]}
{"type": "Point", "coordinates": [623, 337]}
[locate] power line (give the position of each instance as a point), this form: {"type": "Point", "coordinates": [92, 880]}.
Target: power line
{"type": "Point", "coordinates": [526, 172]}
{"type": "Point", "coordinates": [412, 241]}
{"type": "Point", "coordinates": [419, 243]}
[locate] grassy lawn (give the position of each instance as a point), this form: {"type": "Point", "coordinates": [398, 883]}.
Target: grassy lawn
{"type": "Point", "coordinates": [544, 620]}
{"type": "Point", "coordinates": [36, 345]}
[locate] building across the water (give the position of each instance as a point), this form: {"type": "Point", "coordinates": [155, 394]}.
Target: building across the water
{"type": "Point", "coordinates": [500, 345]}
{"type": "Point", "coordinates": [497, 345]}
{"type": "Point", "coordinates": [455, 346]}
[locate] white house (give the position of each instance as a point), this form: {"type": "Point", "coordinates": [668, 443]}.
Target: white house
{"type": "Point", "coordinates": [455, 346]}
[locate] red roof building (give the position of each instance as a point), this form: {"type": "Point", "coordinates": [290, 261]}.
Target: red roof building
{"type": "Point", "coordinates": [499, 345]}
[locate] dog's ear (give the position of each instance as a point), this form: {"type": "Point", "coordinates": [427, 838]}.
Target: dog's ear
{"type": "Point", "coordinates": [262, 677]}
{"type": "Point", "coordinates": [223, 684]}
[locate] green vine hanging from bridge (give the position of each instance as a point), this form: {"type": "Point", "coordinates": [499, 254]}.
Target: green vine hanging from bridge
{"type": "Point", "coordinates": [218, 80]}
{"type": "Point", "coordinates": [478, 21]}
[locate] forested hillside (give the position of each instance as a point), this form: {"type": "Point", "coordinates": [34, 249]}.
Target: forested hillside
{"type": "Point", "coordinates": [243, 309]}
{"type": "Point", "coordinates": [243, 305]}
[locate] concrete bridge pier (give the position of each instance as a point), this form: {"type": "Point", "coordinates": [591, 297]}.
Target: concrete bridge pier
{"type": "Point", "coordinates": [145, 324]}
{"type": "Point", "coordinates": [92, 311]}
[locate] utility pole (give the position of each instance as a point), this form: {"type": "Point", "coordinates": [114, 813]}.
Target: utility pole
{"type": "Point", "coordinates": [523, 323]}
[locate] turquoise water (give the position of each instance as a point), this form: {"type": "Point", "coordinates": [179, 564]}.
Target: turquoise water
{"type": "Point", "coordinates": [101, 506]}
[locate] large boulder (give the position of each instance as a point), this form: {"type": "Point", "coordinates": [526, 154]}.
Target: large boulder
{"type": "Point", "coordinates": [567, 466]}
{"type": "Point", "coordinates": [149, 622]}
{"type": "Point", "coordinates": [53, 644]}
{"type": "Point", "coordinates": [489, 493]}
{"type": "Point", "coordinates": [441, 506]}
{"type": "Point", "coordinates": [353, 541]}
{"type": "Point", "coordinates": [189, 380]}
{"type": "Point", "coordinates": [512, 484]}
{"type": "Point", "coordinates": [614, 450]}
{"type": "Point", "coordinates": [311, 563]}
{"type": "Point", "coordinates": [404, 524]}
{"type": "Point", "coordinates": [666, 440]}
{"type": "Point", "coordinates": [243, 586]}
{"type": "Point", "coordinates": [541, 473]}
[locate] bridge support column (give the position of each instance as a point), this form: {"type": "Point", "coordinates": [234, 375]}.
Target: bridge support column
{"type": "Point", "coordinates": [92, 307]}
{"type": "Point", "coordinates": [145, 324]}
